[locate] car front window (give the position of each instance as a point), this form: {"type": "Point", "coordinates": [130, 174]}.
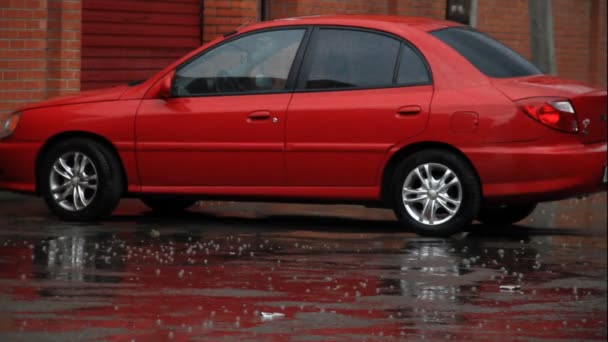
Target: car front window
{"type": "Point", "coordinates": [257, 62]}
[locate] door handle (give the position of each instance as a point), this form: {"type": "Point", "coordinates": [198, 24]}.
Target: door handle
{"type": "Point", "coordinates": [409, 110]}
{"type": "Point", "coordinates": [259, 115]}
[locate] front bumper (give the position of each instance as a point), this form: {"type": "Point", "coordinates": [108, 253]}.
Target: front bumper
{"type": "Point", "coordinates": [18, 166]}
{"type": "Point", "coordinates": [528, 173]}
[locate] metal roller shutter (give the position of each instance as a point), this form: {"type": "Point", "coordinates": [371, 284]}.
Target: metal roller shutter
{"type": "Point", "coordinates": [127, 40]}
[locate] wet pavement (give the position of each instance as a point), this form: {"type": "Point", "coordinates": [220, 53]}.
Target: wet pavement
{"type": "Point", "coordinates": [233, 271]}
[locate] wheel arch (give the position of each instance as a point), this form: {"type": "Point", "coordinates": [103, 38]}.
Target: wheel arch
{"type": "Point", "coordinates": [404, 152]}
{"type": "Point", "coordinates": [73, 135]}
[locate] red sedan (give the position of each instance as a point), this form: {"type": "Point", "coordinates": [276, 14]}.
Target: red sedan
{"type": "Point", "coordinates": [434, 119]}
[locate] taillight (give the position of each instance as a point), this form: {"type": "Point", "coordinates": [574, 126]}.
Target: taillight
{"type": "Point", "coordinates": [556, 113]}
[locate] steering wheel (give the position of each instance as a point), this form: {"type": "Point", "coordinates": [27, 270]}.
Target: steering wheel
{"type": "Point", "coordinates": [225, 83]}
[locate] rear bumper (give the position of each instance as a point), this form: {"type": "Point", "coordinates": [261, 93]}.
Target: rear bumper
{"type": "Point", "coordinates": [528, 173]}
{"type": "Point", "coordinates": [17, 166]}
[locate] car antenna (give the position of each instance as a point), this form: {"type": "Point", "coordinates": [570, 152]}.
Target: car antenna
{"type": "Point", "coordinates": [228, 34]}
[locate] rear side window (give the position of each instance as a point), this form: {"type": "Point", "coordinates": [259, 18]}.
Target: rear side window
{"type": "Point", "coordinates": [488, 55]}
{"type": "Point", "coordinates": [412, 68]}
{"type": "Point", "coordinates": [340, 58]}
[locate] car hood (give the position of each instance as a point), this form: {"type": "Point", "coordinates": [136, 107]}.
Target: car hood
{"type": "Point", "coordinates": [98, 95]}
{"type": "Point", "coordinates": [543, 85]}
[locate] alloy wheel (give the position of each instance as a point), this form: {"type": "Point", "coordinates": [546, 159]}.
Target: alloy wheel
{"type": "Point", "coordinates": [432, 194]}
{"type": "Point", "coordinates": [73, 181]}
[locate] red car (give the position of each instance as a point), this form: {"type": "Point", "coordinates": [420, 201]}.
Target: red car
{"type": "Point", "coordinates": [434, 119]}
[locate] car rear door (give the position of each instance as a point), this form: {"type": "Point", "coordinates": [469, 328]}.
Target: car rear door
{"type": "Point", "coordinates": [224, 124]}
{"type": "Point", "coordinates": [359, 93]}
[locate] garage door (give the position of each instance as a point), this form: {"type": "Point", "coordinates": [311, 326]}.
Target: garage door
{"type": "Point", "coordinates": [128, 40]}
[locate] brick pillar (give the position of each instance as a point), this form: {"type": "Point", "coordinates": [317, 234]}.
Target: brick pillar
{"type": "Point", "coordinates": [63, 47]}
{"type": "Point", "coordinates": [32, 46]}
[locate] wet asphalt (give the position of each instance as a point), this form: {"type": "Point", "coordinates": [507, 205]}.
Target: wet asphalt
{"type": "Point", "coordinates": [250, 271]}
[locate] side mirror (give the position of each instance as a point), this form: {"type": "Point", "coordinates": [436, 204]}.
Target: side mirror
{"type": "Point", "coordinates": [164, 90]}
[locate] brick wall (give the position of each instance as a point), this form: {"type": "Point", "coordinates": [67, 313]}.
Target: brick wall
{"type": "Point", "coordinates": [571, 23]}
{"type": "Point", "coordinates": [285, 8]}
{"type": "Point", "coordinates": [39, 50]}
{"type": "Point", "coordinates": [580, 39]}
{"type": "Point", "coordinates": [601, 44]}
{"type": "Point", "coordinates": [507, 21]}
{"type": "Point", "coordinates": [224, 16]}
{"type": "Point", "coordinates": [63, 47]}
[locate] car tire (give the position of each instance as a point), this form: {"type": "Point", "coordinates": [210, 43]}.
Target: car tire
{"type": "Point", "coordinates": [505, 215]}
{"type": "Point", "coordinates": [80, 180]}
{"type": "Point", "coordinates": [450, 206]}
{"type": "Point", "coordinates": [167, 206]}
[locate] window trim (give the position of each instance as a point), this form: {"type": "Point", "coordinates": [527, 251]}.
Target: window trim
{"type": "Point", "coordinates": [314, 34]}
{"type": "Point", "coordinates": [291, 77]}
{"type": "Point", "coordinates": [422, 58]}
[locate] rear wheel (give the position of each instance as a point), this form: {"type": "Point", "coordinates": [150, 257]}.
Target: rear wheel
{"type": "Point", "coordinates": [435, 193]}
{"type": "Point", "coordinates": [167, 206]}
{"type": "Point", "coordinates": [80, 180]}
{"type": "Point", "coordinates": [505, 215]}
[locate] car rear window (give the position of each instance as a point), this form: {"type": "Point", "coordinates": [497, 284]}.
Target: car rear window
{"type": "Point", "coordinates": [488, 55]}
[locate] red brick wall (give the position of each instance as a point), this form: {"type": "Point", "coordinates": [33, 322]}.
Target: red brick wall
{"type": "Point", "coordinates": [422, 8]}
{"type": "Point", "coordinates": [601, 43]}
{"type": "Point", "coordinates": [39, 50]}
{"type": "Point", "coordinates": [285, 8]}
{"type": "Point", "coordinates": [506, 21]}
{"type": "Point", "coordinates": [224, 16]}
{"type": "Point", "coordinates": [580, 40]}
{"type": "Point", "coordinates": [572, 26]}
{"type": "Point", "coordinates": [598, 44]}
{"type": "Point", "coordinates": [63, 47]}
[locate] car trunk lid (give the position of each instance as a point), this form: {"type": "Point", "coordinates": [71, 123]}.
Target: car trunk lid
{"type": "Point", "coordinates": [589, 103]}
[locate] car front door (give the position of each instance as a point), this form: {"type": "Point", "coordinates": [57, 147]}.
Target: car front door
{"type": "Point", "coordinates": [224, 124]}
{"type": "Point", "coordinates": [359, 93]}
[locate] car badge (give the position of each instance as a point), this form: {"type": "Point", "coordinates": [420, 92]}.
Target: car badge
{"type": "Point", "coordinates": [586, 124]}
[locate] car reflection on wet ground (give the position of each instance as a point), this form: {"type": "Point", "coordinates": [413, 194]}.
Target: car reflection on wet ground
{"type": "Point", "coordinates": [238, 271]}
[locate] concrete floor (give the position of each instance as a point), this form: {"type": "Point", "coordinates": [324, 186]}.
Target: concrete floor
{"type": "Point", "coordinates": [234, 271]}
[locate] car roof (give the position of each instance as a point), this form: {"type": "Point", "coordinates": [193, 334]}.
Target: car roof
{"type": "Point", "coordinates": [419, 23]}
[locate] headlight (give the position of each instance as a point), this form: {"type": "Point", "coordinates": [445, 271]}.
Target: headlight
{"type": "Point", "coordinates": [8, 124]}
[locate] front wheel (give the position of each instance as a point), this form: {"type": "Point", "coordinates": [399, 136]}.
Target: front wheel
{"type": "Point", "coordinates": [80, 180]}
{"type": "Point", "coordinates": [435, 193]}
{"type": "Point", "coordinates": [505, 215]}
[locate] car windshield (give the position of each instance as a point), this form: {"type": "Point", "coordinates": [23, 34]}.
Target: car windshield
{"type": "Point", "coordinates": [488, 55]}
